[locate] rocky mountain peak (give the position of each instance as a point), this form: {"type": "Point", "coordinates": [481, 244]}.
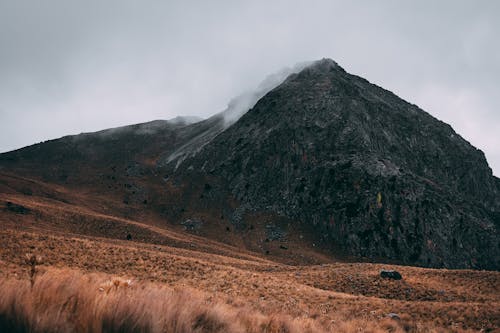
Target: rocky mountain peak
{"type": "Point", "coordinates": [324, 65]}
{"type": "Point", "coordinates": [375, 175]}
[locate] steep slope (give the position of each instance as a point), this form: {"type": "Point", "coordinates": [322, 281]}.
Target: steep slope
{"type": "Point", "coordinates": [374, 175]}
{"type": "Point", "coordinates": [134, 149]}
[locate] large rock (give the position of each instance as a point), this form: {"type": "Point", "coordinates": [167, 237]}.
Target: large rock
{"type": "Point", "coordinates": [390, 274]}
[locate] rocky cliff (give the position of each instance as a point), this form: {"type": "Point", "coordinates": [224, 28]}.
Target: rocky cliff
{"type": "Point", "coordinates": [376, 177]}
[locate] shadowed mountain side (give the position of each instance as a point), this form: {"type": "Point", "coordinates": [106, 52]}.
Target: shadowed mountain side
{"type": "Point", "coordinates": [376, 176]}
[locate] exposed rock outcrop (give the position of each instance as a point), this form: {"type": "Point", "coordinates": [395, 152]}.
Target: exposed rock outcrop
{"type": "Point", "coordinates": [377, 177]}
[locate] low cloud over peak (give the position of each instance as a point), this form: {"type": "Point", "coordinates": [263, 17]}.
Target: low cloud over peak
{"type": "Point", "coordinates": [77, 67]}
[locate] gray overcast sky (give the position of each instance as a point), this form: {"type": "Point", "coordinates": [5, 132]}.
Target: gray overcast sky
{"type": "Point", "coordinates": [77, 66]}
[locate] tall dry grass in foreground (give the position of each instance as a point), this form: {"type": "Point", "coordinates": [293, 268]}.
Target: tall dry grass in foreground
{"type": "Point", "coordinates": [64, 300]}
{"type": "Point", "coordinates": [69, 301]}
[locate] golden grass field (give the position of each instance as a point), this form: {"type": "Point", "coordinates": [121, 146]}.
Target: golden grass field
{"type": "Point", "coordinates": [91, 279]}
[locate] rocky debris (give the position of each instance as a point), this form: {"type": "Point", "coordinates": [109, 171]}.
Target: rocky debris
{"type": "Point", "coordinates": [274, 232]}
{"type": "Point", "coordinates": [135, 194]}
{"type": "Point", "coordinates": [135, 170]}
{"type": "Point", "coordinates": [192, 224]}
{"type": "Point", "coordinates": [209, 192]}
{"type": "Point", "coordinates": [377, 177]}
{"type": "Point", "coordinates": [394, 316]}
{"type": "Point", "coordinates": [237, 215]}
{"type": "Point", "coordinates": [199, 135]}
{"type": "Point", "coordinates": [390, 274]}
{"type": "Point", "coordinates": [15, 208]}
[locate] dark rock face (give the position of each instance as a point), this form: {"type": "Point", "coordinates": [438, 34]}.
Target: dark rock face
{"type": "Point", "coordinates": [376, 176]}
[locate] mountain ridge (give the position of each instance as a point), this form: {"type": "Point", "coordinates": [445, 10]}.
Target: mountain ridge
{"type": "Point", "coordinates": [372, 176]}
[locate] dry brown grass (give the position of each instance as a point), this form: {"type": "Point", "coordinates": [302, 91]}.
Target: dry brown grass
{"type": "Point", "coordinates": [184, 282]}
{"type": "Point", "coordinates": [69, 301]}
{"type": "Point", "coordinates": [64, 300]}
{"type": "Point", "coordinates": [342, 297]}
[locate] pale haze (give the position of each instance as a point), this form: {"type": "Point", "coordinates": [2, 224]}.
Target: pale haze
{"type": "Point", "coordinates": [68, 67]}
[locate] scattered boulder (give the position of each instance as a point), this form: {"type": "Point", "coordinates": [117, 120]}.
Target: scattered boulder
{"type": "Point", "coordinates": [192, 224]}
{"type": "Point", "coordinates": [394, 316]}
{"type": "Point", "coordinates": [135, 170]}
{"type": "Point", "coordinates": [26, 191]}
{"type": "Point", "coordinates": [283, 247]}
{"type": "Point", "coordinates": [15, 208]}
{"type": "Point", "coordinates": [237, 217]}
{"type": "Point", "coordinates": [274, 232]}
{"type": "Point", "coordinates": [129, 237]}
{"type": "Point", "coordinates": [136, 194]}
{"type": "Point", "coordinates": [390, 274]}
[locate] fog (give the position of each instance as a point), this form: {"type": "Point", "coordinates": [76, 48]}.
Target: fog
{"type": "Point", "coordinates": [68, 67]}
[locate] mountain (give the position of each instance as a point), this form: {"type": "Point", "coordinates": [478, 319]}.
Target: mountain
{"type": "Point", "coordinates": [375, 176]}
{"type": "Point", "coordinates": [322, 162]}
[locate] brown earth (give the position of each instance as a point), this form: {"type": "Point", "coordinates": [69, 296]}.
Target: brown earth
{"type": "Point", "coordinates": [83, 233]}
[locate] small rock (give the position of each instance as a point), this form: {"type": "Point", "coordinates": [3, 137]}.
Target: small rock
{"type": "Point", "coordinates": [274, 232]}
{"type": "Point", "coordinates": [390, 274]}
{"type": "Point", "coordinates": [192, 224]}
{"type": "Point", "coordinates": [19, 209]}
{"type": "Point", "coordinates": [394, 316]}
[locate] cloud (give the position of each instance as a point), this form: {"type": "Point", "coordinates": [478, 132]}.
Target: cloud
{"type": "Point", "coordinates": [239, 105]}
{"type": "Point", "coordinates": [69, 67]}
